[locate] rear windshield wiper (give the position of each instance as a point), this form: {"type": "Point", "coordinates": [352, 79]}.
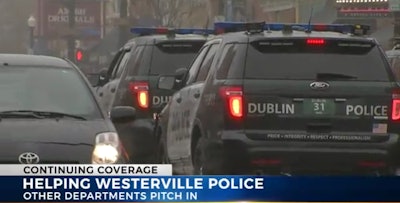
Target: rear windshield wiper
{"type": "Point", "coordinates": [334, 76]}
{"type": "Point", "coordinates": [39, 114]}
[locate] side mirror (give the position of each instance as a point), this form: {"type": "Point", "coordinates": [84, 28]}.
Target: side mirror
{"type": "Point", "coordinates": [102, 77]}
{"type": "Point", "coordinates": [180, 77]}
{"type": "Point", "coordinates": [167, 82]}
{"type": "Point", "coordinates": [122, 114]}
{"type": "Point", "coordinates": [180, 73]}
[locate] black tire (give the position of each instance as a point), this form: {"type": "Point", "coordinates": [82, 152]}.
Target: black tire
{"type": "Point", "coordinates": [203, 164]}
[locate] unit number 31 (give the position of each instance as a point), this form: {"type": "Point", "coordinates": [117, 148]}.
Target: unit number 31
{"type": "Point", "coordinates": [319, 106]}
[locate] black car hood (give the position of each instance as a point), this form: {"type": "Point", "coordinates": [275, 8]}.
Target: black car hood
{"type": "Point", "coordinates": [51, 131]}
{"type": "Point", "coordinates": [55, 142]}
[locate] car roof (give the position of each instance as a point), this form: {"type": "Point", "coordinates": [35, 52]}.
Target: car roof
{"type": "Point", "coordinates": [243, 37]}
{"type": "Point", "coordinates": [33, 60]}
{"type": "Point", "coordinates": [151, 39]}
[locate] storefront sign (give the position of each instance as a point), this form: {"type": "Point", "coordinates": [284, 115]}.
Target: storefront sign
{"type": "Point", "coordinates": [54, 19]}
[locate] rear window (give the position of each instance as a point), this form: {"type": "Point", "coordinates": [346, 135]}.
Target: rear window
{"type": "Point", "coordinates": [302, 60]}
{"type": "Point", "coordinates": [170, 56]}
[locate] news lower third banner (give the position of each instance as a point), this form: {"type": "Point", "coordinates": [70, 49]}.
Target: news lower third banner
{"type": "Point", "coordinates": [155, 183]}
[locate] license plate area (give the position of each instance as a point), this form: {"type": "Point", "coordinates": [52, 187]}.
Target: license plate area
{"type": "Point", "coordinates": [319, 107]}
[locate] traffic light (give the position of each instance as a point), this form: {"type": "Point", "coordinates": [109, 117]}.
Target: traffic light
{"type": "Point", "coordinates": [79, 55]}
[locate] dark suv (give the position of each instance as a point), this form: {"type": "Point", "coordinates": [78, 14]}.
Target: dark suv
{"type": "Point", "coordinates": [285, 99]}
{"type": "Point", "coordinates": [133, 76]}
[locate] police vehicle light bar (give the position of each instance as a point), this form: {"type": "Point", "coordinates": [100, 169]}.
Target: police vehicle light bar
{"type": "Point", "coordinates": [361, 1]}
{"type": "Point", "coordinates": [224, 27]}
{"type": "Point", "coordinates": [162, 31]}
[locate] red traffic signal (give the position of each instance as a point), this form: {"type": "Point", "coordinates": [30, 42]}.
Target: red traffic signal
{"type": "Point", "coordinates": [79, 55]}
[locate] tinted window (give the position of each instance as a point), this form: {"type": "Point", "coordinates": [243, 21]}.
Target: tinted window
{"type": "Point", "coordinates": [170, 56]}
{"type": "Point", "coordinates": [194, 68]}
{"type": "Point", "coordinates": [228, 58]}
{"type": "Point", "coordinates": [205, 66]}
{"type": "Point", "coordinates": [121, 66]}
{"type": "Point", "coordinates": [298, 60]}
{"type": "Point", "coordinates": [114, 62]}
{"type": "Point", "coordinates": [135, 60]}
{"type": "Point", "coordinates": [46, 89]}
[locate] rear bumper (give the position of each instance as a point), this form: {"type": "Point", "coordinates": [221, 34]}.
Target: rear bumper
{"type": "Point", "coordinates": [239, 152]}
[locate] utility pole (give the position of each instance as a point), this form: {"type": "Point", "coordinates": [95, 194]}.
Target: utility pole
{"type": "Point", "coordinates": [123, 26]}
{"type": "Point", "coordinates": [396, 15]}
{"type": "Point", "coordinates": [71, 4]}
{"type": "Point", "coordinates": [297, 10]}
{"type": "Point", "coordinates": [229, 10]}
{"type": "Point", "coordinates": [394, 6]}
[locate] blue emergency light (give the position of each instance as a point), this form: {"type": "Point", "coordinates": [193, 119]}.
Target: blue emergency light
{"type": "Point", "coordinates": [164, 31]}
{"type": "Point", "coordinates": [224, 27]}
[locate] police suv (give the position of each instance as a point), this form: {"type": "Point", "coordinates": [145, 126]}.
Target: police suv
{"type": "Point", "coordinates": [133, 76]}
{"type": "Point", "coordinates": [284, 99]}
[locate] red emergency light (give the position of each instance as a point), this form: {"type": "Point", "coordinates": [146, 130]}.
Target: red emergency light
{"type": "Point", "coordinates": [315, 41]}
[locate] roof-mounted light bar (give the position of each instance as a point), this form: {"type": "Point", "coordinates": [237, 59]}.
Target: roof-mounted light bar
{"type": "Point", "coordinates": [225, 27]}
{"type": "Point", "coordinates": [171, 31]}
{"type": "Point", "coordinates": [361, 1]}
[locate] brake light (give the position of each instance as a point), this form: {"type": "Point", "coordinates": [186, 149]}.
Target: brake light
{"type": "Point", "coordinates": [396, 106]}
{"type": "Point", "coordinates": [140, 92]}
{"type": "Point", "coordinates": [315, 41]}
{"type": "Point", "coordinates": [234, 97]}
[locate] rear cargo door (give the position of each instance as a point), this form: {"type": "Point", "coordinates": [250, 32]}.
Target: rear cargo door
{"type": "Point", "coordinates": [167, 58]}
{"type": "Point", "coordinates": [317, 86]}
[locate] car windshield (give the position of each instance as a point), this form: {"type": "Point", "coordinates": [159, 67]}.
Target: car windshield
{"type": "Point", "coordinates": [46, 89]}
{"type": "Point", "coordinates": [296, 60]}
{"type": "Point", "coordinates": [170, 56]}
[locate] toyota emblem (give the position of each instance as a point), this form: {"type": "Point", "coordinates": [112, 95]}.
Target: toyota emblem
{"type": "Point", "coordinates": [319, 85]}
{"type": "Point", "coordinates": [28, 158]}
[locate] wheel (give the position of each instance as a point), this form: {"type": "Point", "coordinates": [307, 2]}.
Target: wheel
{"type": "Point", "coordinates": [208, 163]}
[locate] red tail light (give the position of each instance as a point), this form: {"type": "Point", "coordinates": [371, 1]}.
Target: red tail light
{"type": "Point", "coordinates": [372, 164]}
{"type": "Point", "coordinates": [140, 91]}
{"type": "Point", "coordinates": [234, 97]}
{"type": "Point", "coordinates": [315, 41]}
{"type": "Point", "coordinates": [396, 106]}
